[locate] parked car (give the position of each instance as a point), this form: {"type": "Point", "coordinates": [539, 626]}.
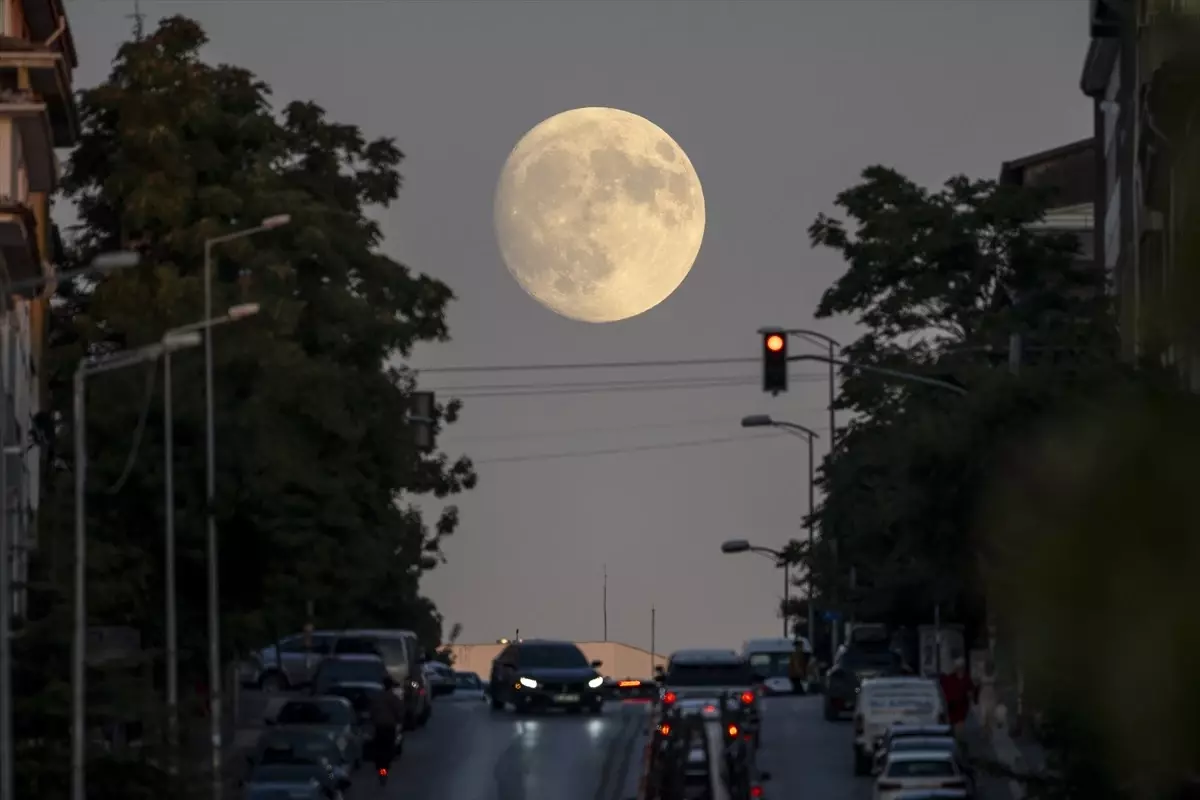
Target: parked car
{"type": "Point", "coordinates": [302, 780]}
{"type": "Point", "coordinates": [468, 687]}
{"type": "Point", "coordinates": [294, 747]}
{"type": "Point", "coordinates": [439, 677]}
{"type": "Point", "coordinates": [332, 715]}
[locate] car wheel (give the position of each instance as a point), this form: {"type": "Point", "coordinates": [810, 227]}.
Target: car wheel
{"type": "Point", "coordinates": [273, 682]}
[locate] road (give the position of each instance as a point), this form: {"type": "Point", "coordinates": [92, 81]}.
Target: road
{"type": "Point", "coordinates": [807, 756]}
{"type": "Point", "coordinates": [468, 752]}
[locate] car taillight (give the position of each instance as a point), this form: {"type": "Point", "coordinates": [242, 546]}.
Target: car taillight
{"type": "Point", "coordinates": [383, 771]}
{"type": "Point", "coordinates": [858, 723]}
{"type": "Point", "coordinates": [756, 791]}
{"type": "Point", "coordinates": [664, 729]}
{"type": "Point", "coordinates": [747, 698]}
{"type": "Point", "coordinates": [669, 698]}
{"type": "Point", "coordinates": [732, 730]}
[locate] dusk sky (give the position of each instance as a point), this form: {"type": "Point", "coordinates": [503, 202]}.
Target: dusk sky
{"type": "Point", "coordinates": [779, 106]}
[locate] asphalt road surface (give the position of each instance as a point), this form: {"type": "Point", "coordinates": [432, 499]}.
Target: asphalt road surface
{"type": "Point", "coordinates": [469, 752]}
{"type": "Point", "coordinates": [807, 756]}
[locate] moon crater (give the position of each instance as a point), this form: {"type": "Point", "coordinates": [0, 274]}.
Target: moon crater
{"type": "Point", "coordinates": [599, 214]}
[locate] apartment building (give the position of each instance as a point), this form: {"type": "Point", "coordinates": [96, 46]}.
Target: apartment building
{"type": "Point", "coordinates": [1142, 72]}
{"type": "Point", "coordinates": [1069, 173]}
{"type": "Point", "coordinates": [37, 116]}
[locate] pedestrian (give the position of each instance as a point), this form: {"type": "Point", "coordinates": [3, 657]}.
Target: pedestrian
{"type": "Point", "coordinates": [958, 690]}
{"type": "Point", "coordinates": [986, 697]}
{"type": "Point", "coordinates": [798, 666]}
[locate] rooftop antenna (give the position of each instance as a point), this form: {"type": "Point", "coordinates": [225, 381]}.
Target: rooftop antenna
{"type": "Point", "coordinates": [139, 20]}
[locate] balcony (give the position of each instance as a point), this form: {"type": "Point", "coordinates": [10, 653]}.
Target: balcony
{"type": "Point", "coordinates": [49, 74]}
{"type": "Point", "coordinates": [19, 243]}
{"type": "Point", "coordinates": [31, 119]}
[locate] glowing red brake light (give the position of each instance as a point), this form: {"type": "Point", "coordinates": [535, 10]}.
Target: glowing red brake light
{"type": "Point", "coordinates": [669, 698]}
{"type": "Point", "coordinates": [756, 791]}
{"type": "Point", "coordinates": [383, 771]}
{"type": "Point", "coordinates": [747, 698]}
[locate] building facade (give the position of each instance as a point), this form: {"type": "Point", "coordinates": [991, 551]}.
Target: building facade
{"type": "Point", "coordinates": [1142, 72]}
{"type": "Point", "coordinates": [1069, 173]}
{"type": "Point", "coordinates": [37, 116]}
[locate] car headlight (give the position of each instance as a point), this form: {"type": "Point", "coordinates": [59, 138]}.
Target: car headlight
{"type": "Point", "coordinates": [594, 683]}
{"type": "Point", "coordinates": [528, 683]}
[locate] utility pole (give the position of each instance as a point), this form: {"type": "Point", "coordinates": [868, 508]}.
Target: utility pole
{"type": "Point", "coordinates": [652, 624]}
{"type": "Point", "coordinates": [605, 601]}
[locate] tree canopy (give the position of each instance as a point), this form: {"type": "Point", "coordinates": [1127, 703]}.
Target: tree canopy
{"type": "Point", "coordinates": [317, 472]}
{"type": "Point", "coordinates": [940, 280]}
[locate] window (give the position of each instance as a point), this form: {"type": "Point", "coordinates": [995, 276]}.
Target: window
{"type": "Point", "coordinates": [351, 672]}
{"type": "Point", "coordinates": [292, 644]}
{"type": "Point", "coordinates": [709, 675]}
{"type": "Point", "coordinates": [771, 665]}
{"type": "Point", "coordinates": [939, 768]}
{"type": "Point", "coordinates": [554, 656]}
{"type": "Point", "coordinates": [467, 680]}
{"type": "Point", "coordinates": [356, 645]}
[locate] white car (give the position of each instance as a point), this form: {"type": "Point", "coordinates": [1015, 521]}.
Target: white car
{"type": "Point", "coordinates": [884, 702]}
{"type": "Point", "coordinates": [910, 771]}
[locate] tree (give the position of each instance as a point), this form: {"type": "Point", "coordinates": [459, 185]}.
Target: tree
{"type": "Point", "coordinates": [940, 280]}
{"type": "Point", "coordinates": [316, 472]}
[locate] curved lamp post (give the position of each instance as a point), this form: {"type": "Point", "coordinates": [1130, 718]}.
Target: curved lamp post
{"type": "Point", "coordinates": [808, 434]}
{"type": "Point", "coordinates": [743, 546]}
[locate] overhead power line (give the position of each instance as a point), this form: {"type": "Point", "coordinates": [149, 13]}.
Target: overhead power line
{"type": "Point", "coordinates": [450, 440]}
{"type": "Point", "coordinates": [620, 450]}
{"type": "Point", "coordinates": [681, 362]}
{"type": "Point", "coordinates": [596, 387]}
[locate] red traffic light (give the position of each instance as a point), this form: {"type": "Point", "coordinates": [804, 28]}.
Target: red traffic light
{"type": "Point", "coordinates": [775, 343]}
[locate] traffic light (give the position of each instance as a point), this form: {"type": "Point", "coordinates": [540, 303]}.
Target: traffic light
{"type": "Point", "coordinates": [775, 363]}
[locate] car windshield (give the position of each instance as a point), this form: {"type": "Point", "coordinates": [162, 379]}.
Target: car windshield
{"type": "Point", "coordinates": [284, 773]}
{"type": "Point", "coordinates": [856, 658]}
{"type": "Point", "coordinates": [917, 743]}
{"type": "Point", "coordinates": [552, 656]}
{"type": "Point", "coordinates": [738, 674]}
{"type": "Point", "coordinates": [770, 665]}
{"type": "Point", "coordinates": [338, 671]}
{"type": "Point", "coordinates": [931, 768]}
{"type": "Point", "coordinates": [359, 696]}
{"type": "Point", "coordinates": [313, 712]}
{"type": "Point", "coordinates": [467, 680]}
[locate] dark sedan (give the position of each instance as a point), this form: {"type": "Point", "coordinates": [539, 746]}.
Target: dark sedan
{"type": "Point", "coordinates": [538, 674]}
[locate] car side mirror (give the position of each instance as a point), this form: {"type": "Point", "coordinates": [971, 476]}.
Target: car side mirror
{"type": "Point", "coordinates": [597, 664]}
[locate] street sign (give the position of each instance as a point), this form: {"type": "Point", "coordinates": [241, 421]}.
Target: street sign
{"type": "Point", "coordinates": [831, 616]}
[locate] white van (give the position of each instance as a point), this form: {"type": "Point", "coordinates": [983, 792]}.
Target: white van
{"type": "Point", "coordinates": [770, 658]}
{"type": "Point", "coordinates": [883, 702]}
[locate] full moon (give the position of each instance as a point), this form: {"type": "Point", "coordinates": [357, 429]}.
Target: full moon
{"type": "Point", "coordinates": [599, 214]}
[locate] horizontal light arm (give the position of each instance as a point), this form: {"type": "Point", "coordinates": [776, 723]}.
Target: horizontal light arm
{"type": "Point", "coordinates": [890, 373]}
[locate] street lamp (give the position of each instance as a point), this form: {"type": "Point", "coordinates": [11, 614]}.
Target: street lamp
{"type": "Point", "coordinates": [101, 264]}
{"type": "Point", "coordinates": [88, 367]}
{"type": "Point", "coordinates": [742, 546]}
{"type": "Point", "coordinates": [234, 314]}
{"type": "Point", "coordinates": [215, 695]}
{"type": "Point", "coordinates": [765, 421]}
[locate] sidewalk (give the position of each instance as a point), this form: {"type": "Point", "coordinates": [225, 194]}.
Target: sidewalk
{"type": "Point", "coordinates": [1022, 755]}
